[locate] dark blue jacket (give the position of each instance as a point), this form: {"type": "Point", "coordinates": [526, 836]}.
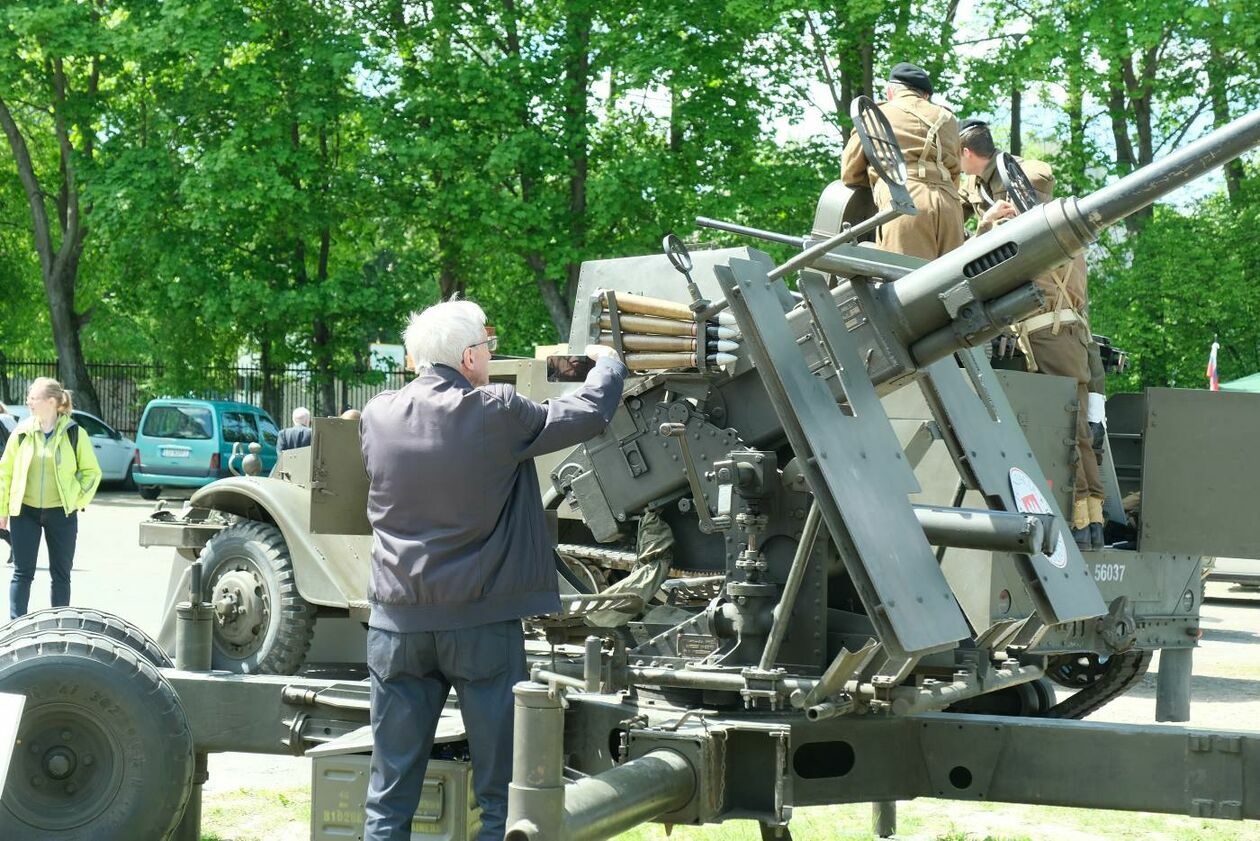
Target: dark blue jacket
{"type": "Point", "coordinates": [459, 534]}
{"type": "Point", "coordinates": [293, 437]}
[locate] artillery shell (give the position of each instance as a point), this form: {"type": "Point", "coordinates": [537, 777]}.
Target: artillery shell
{"type": "Point", "coordinates": [643, 305]}
{"type": "Point", "coordinates": [659, 361]}
{"type": "Point", "coordinates": [654, 326]}
{"type": "Point", "coordinates": [641, 341]}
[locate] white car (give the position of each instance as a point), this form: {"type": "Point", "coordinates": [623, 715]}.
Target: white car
{"type": "Point", "coordinates": [114, 451]}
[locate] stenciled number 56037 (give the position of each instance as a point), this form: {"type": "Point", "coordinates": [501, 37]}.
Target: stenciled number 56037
{"type": "Point", "coordinates": [1108, 572]}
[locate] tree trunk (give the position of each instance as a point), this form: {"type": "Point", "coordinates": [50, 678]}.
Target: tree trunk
{"type": "Point", "coordinates": [322, 337]}
{"type": "Point", "coordinates": [1218, 81]}
{"type": "Point", "coordinates": [325, 376]}
{"type": "Point", "coordinates": [1074, 172]}
{"type": "Point", "coordinates": [71, 366]}
{"type": "Point", "coordinates": [867, 54]}
{"type": "Point", "coordinates": [59, 268]}
{"type": "Point", "coordinates": [676, 127]}
{"type": "Point", "coordinates": [1017, 94]}
{"type": "Point", "coordinates": [450, 283]}
{"type": "Point", "coordinates": [1117, 111]}
{"type": "Point", "coordinates": [557, 307]}
{"type": "Point", "coordinates": [270, 397]}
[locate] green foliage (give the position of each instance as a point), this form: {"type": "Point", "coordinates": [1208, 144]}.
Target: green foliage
{"type": "Point", "coordinates": [1188, 279]}
{"type": "Point", "coordinates": [291, 179]}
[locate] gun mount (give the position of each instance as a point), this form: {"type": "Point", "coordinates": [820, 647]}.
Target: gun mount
{"type": "Point", "coordinates": [836, 602]}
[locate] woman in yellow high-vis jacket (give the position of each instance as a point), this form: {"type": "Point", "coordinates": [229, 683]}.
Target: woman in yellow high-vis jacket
{"type": "Point", "coordinates": [45, 481]}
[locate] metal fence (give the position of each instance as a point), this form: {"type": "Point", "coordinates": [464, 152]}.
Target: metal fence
{"type": "Point", "coordinates": [124, 388]}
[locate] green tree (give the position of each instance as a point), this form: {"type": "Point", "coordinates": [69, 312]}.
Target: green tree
{"type": "Point", "coordinates": [57, 61]}
{"type": "Point", "coordinates": [1190, 280]}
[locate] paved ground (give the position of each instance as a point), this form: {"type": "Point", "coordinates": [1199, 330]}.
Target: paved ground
{"type": "Point", "coordinates": [112, 573]}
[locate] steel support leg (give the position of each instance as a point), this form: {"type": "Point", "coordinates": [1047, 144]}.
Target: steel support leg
{"type": "Point", "coordinates": [775, 833]}
{"type": "Point", "coordinates": [1172, 687]}
{"type": "Point", "coordinates": [884, 818]}
{"type": "Point", "coordinates": [189, 828]}
{"type": "Point", "coordinates": [536, 793]}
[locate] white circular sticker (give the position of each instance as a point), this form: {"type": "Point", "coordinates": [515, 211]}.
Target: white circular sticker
{"type": "Point", "coordinates": [1030, 500]}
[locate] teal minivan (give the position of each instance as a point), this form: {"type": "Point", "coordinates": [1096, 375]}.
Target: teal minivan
{"type": "Point", "coordinates": [186, 443]}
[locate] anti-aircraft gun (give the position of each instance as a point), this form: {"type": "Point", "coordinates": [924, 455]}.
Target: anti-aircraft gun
{"type": "Point", "coordinates": [837, 649]}
{"type": "Point", "coordinates": [829, 639]}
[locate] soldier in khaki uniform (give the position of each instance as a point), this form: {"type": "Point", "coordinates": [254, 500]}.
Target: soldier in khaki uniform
{"type": "Point", "coordinates": [928, 136]}
{"type": "Point", "coordinates": [1056, 341]}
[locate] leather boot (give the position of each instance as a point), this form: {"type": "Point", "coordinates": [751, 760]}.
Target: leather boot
{"type": "Point", "coordinates": [1095, 507]}
{"type": "Point", "coordinates": [1080, 525]}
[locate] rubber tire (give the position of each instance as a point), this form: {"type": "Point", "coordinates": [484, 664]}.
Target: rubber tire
{"type": "Point", "coordinates": [292, 624]}
{"type": "Point", "coordinates": [89, 621]}
{"type": "Point", "coordinates": [149, 492]}
{"type": "Point", "coordinates": [1045, 694]}
{"type": "Point", "coordinates": [129, 481]}
{"type": "Point", "coordinates": [103, 687]}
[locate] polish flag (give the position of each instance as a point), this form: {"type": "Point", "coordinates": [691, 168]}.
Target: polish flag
{"type": "Point", "coordinates": [1214, 378]}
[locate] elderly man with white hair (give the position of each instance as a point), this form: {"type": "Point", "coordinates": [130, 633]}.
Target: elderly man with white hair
{"type": "Point", "coordinates": [298, 435]}
{"type": "Point", "coordinates": [460, 553]}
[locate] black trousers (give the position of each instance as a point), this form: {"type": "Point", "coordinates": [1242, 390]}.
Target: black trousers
{"type": "Point", "coordinates": [412, 674]}
{"type": "Point", "coordinates": [61, 532]}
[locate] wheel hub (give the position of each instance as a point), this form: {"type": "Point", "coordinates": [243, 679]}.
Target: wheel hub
{"type": "Point", "coordinates": [64, 773]}
{"type": "Point", "coordinates": [60, 762]}
{"type": "Point", "coordinates": [242, 608]}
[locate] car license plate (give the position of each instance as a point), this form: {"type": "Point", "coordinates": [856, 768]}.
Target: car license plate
{"type": "Point", "coordinates": [175, 452]}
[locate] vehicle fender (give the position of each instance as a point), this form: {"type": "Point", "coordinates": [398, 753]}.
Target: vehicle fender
{"type": "Point", "coordinates": [330, 569]}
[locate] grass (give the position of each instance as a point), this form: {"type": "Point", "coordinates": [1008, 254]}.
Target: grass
{"type": "Point", "coordinates": [254, 815]}
{"type": "Point", "coordinates": [285, 816]}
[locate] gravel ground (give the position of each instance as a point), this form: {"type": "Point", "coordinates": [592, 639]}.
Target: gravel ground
{"type": "Point", "coordinates": [112, 573]}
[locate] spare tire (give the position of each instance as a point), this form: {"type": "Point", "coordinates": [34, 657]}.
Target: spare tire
{"type": "Point", "coordinates": [91, 621]}
{"type": "Point", "coordinates": [103, 747]}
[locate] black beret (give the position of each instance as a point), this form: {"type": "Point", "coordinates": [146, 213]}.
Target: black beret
{"type": "Point", "coordinates": [913, 76]}
{"type": "Point", "coordinates": [972, 122]}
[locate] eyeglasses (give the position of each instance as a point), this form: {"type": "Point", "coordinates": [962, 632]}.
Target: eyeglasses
{"type": "Point", "coordinates": [492, 344]}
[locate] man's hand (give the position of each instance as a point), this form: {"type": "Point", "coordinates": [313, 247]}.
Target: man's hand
{"type": "Point", "coordinates": [597, 352]}
{"type": "Point", "coordinates": [4, 522]}
{"type": "Point", "coordinates": [1000, 210]}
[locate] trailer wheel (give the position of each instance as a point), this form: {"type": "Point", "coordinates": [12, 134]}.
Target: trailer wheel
{"type": "Point", "coordinates": [262, 624]}
{"type": "Point", "coordinates": [91, 621]}
{"type": "Point", "coordinates": [103, 748]}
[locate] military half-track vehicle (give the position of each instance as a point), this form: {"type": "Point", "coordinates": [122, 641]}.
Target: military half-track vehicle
{"type": "Point", "coordinates": [285, 556]}
{"type": "Point", "coordinates": [831, 632]}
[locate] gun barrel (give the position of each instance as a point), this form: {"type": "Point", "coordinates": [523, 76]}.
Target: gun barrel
{"type": "Point", "coordinates": [1139, 189]}
{"type": "Point", "coordinates": [992, 265]}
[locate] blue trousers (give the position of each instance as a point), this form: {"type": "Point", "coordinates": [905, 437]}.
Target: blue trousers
{"type": "Point", "coordinates": [60, 532]}
{"type": "Point", "coordinates": [412, 674]}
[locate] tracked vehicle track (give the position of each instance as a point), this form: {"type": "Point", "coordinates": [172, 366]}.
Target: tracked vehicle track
{"type": "Point", "coordinates": [1122, 673]}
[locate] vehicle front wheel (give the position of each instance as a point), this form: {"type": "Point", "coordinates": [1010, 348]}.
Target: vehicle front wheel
{"type": "Point", "coordinates": [262, 624]}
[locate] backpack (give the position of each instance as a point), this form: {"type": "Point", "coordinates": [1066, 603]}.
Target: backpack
{"type": "Point", "coordinates": [72, 432]}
